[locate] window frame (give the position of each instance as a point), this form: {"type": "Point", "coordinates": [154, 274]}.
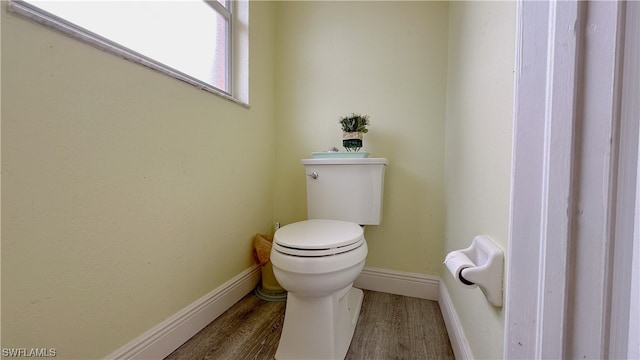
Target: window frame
{"type": "Point", "coordinates": [43, 17]}
{"type": "Point", "coordinates": [227, 14]}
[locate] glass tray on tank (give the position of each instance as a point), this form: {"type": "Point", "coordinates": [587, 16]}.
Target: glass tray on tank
{"type": "Point", "coordinates": [339, 154]}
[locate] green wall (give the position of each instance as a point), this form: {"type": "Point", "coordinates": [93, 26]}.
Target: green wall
{"type": "Point", "coordinates": [478, 151]}
{"type": "Point", "coordinates": [387, 60]}
{"type": "Point", "coordinates": [126, 194]}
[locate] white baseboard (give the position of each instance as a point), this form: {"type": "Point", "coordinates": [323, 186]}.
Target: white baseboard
{"type": "Point", "coordinates": [167, 336]}
{"type": "Point", "coordinates": [398, 282]}
{"type": "Point", "coordinates": [459, 342]}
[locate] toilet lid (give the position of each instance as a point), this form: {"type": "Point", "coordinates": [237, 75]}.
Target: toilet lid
{"type": "Point", "coordinates": [318, 237]}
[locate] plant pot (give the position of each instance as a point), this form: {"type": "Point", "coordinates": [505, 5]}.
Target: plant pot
{"type": "Point", "coordinates": [352, 141]}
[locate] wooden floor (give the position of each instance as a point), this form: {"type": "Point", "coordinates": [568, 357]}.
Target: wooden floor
{"type": "Point", "coordinates": [389, 327]}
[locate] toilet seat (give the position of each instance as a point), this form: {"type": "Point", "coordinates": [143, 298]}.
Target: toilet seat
{"type": "Point", "coordinates": [318, 238]}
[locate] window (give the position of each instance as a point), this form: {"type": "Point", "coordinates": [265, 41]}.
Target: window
{"type": "Point", "coordinates": [192, 40]}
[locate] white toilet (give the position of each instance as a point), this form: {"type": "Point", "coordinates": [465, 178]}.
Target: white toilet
{"type": "Point", "coordinates": [317, 260]}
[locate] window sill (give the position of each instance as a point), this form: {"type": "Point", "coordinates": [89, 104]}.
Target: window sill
{"type": "Point", "coordinates": [115, 49]}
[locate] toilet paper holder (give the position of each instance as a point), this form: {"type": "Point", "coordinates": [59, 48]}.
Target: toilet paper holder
{"type": "Point", "coordinates": [481, 264]}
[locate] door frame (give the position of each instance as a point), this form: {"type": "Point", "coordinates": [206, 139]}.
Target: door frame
{"type": "Point", "coordinates": [572, 104]}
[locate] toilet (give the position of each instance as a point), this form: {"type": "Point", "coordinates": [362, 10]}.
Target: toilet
{"type": "Point", "coordinates": [317, 260]}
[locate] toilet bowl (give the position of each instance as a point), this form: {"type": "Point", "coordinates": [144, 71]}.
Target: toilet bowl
{"type": "Point", "coordinates": [316, 261]}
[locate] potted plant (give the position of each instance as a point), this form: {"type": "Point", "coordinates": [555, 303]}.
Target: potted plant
{"type": "Point", "coordinates": [353, 126]}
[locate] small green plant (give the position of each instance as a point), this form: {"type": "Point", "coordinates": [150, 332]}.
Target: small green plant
{"type": "Point", "coordinates": [353, 126]}
{"type": "Point", "coordinates": [354, 123]}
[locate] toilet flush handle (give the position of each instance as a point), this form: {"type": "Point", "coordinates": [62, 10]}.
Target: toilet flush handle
{"type": "Point", "coordinates": [314, 175]}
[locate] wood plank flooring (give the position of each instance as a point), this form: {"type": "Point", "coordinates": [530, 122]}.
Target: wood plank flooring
{"type": "Point", "coordinates": [389, 327]}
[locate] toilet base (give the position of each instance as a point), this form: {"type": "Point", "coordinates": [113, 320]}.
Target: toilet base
{"type": "Point", "coordinates": [319, 327]}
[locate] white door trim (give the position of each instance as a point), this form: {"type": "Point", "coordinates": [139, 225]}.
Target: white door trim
{"type": "Point", "coordinates": [567, 179]}
{"type": "Point", "coordinates": [625, 311]}
{"type": "Point", "coordinates": [541, 179]}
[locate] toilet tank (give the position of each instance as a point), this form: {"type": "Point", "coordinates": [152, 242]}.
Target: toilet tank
{"type": "Point", "coordinates": [348, 189]}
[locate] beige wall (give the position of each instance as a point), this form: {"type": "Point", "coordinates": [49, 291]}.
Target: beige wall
{"type": "Point", "coordinates": [126, 194]}
{"type": "Point", "coordinates": [387, 60]}
{"type": "Point", "coordinates": [478, 150]}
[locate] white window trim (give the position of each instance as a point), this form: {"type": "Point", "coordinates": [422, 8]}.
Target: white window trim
{"type": "Point", "coordinates": [239, 73]}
